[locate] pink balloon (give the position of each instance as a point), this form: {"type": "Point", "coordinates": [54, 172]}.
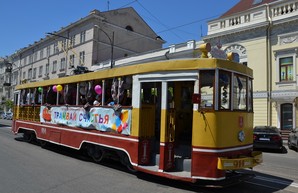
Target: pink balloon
{"type": "Point", "coordinates": [54, 88]}
{"type": "Point", "coordinates": [98, 89]}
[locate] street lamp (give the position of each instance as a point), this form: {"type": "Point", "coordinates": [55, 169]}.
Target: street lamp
{"type": "Point", "coordinates": [111, 42]}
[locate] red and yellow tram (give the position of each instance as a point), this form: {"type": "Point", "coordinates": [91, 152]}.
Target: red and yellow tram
{"type": "Point", "coordinates": [186, 119]}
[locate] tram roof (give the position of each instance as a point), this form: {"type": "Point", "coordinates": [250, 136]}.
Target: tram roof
{"type": "Point", "coordinates": [159, 66]}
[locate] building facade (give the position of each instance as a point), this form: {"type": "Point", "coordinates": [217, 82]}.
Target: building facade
{"type": "Point", "coordinates": [264, 34]}
{"type": "Point", "coordinates": [100, 36]}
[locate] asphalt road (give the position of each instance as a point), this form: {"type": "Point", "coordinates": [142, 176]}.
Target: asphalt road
{"type": "Point", "coordinates": [29, 168]}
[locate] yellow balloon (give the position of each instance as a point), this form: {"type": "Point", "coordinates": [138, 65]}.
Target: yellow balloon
{"type": "Point", "coordinates": [59, 88]}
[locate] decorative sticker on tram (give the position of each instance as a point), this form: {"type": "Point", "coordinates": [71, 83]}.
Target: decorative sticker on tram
{"type": "Point", "coordinates": [103, 119]}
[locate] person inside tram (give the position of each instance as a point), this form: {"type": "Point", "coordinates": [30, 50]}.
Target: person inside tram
{"type": "Point", "coordinates": [108, 97]}
{"type": "Point", "coordinates": [51, 96]}
{"type": "Point", "coordinates": [97, 101]}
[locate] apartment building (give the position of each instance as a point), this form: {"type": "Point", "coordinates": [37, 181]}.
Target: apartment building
{"type": "Point", "coordinates": [264, 34]}
{"type": "Point", "coordinates": [100, 37]}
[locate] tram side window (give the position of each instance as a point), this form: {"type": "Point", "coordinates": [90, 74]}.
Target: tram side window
{"type": "Point", "coordinates": [35, 96]}
{"type": "Point", "coordinates": [108, 94]}
{"type": "Point", "coordinates": [224, 90]}
{"type": "Point", "coordinates": [91, 94]}
{"type": "Point", "coordinates": [51, 96]}
{"type": "Point", "coordinates": [70, 94]}
{"type": "Point", "coordinates": [207, 79]}
{"type": "Point", "coordinates": [125, 98]}
{"type": "Point", "coordinates": [83, 89]}
{"type": "Point", "coordinates": [27, 97]}
{"type": "Point", "coordinates": [249, 96]}
{"type": "Point", "coordinates": [240, 94]}
{"type": "Point", "coordinates": [24, 93]}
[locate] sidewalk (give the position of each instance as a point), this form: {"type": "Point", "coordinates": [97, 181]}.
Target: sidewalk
{"type": "Point", "coordinates": [5, 123]}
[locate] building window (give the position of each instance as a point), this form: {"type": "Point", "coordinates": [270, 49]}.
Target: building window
{"type": "Point", "coordinates": [54, 66]}
{"type": "Point", "coordinates": [83, 37]}
{"type": "Point", "coordinates": [56, 49]}
{"type": "Point", "coordinates": [72, 41]}
{"type": "Point", "coordinates": [40, 71]}
{"type": "Point", "coordinates": [15, 78]}
{"type": "Point", "coordinates": [24, 75]}
{"type": "Point", "coordinates": [82, 58]}
{"type": "Point", "coordinates": [29, 73]}
{"type": "Point", "coordinates": [41, 54]}
{"type": "Point", "coordinates": [31, 59]}
{"type": "Point", "coordinates": [47, 69]}
{"type": "Point", "coordinates": [48, 51]}
{"type": "Point", "coordinates": [35, 57]}
{"type": "Point", "coordinates": [286, 69]}
{"type": "Point", "coordinates": [64, 44]}
{"type": "Point", "coordinates": [25, 61]}
{"type": "Point", "coordinates": [34, 73]}
{"type": "Point", "coordinates": [62, 64]}
{"type": "Point", "coordinates": [71, 60]}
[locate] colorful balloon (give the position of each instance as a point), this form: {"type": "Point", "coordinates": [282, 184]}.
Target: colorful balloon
{"type": "Point", "coordinates": [54, 88]}
{"type": "Point", "coordinates": [39, 89]}
{"type": "Point", "coordinates": [98, 89]}
{"type": "Point", "coordinates": [59, 88]}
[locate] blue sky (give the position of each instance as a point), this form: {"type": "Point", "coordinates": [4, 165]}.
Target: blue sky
{"type": "Point", "coordinates": [25, 21]}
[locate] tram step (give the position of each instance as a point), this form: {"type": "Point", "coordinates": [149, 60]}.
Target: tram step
{"type": "Point", "coordinates": [182, 164]}
{"type": "Point", "coordinates": [157, 158]}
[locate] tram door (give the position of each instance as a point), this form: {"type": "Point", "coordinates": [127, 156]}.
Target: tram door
{"type": "Point", "coordinates": [176, 133]}
{"type": "Point", "coordinates": [150, 114]}
{"type": "Point", "coordinates": [165, 123]}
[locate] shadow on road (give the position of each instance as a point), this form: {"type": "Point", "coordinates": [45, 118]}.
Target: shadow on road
{"type": "Point", "coordinates": [251, 185]}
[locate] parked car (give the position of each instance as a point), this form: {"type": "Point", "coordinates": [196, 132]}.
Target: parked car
{"type": "Point", "coordinates": [9, 116]}
{"type": "Point", "coordinates": [293, 139]}
{"type": "Point", "coordinates": [267, 137]}
{"type": "Point", "coordinates": [3, 115]}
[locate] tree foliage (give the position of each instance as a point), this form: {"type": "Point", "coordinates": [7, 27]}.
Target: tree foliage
{"type": "Point", "coordinates": [9, 104]}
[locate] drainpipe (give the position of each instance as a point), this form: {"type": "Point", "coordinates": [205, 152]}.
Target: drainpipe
{"type": "Point", "coordinates": [269, 67]}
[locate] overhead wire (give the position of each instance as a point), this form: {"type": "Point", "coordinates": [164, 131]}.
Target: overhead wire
{"type": "Point", "coordinates": [156, 18]}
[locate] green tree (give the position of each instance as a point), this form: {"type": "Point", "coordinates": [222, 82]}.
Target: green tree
{"type": "Point", "coordinates": [9, 104]}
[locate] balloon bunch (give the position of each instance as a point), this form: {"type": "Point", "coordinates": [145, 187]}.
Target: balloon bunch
{"type": "Point", "coordinates": [57, 88]}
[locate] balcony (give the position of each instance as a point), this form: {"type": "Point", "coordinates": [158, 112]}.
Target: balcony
{"type": "Point", "coordinates": [254, 17]}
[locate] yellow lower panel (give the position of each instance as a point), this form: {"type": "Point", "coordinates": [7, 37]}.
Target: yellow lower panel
{"type": "Point", "coordinates": [240, 163]}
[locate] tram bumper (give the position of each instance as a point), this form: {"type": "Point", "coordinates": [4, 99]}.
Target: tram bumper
{"type": "Point", "coordinates": [225, 163]}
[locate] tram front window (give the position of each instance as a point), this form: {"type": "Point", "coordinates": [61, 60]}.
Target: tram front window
{"type": "Point", "coordinates": [207, 79]}
{"type": "Point", "coordinates": [239, 98]}
{"type": "Point", "coordinates": [224, 89]}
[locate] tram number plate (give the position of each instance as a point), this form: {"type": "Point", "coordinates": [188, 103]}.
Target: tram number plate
{"type": "Point", "coordinates": [264, 139]}
{"type": "Point", "coordinates": [239, 163]}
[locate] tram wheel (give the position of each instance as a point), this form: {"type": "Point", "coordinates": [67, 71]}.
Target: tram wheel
{"type": "Point", "coordinates": [97, 153]}
{"type": "Point", "coordinates": [28, 136]}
